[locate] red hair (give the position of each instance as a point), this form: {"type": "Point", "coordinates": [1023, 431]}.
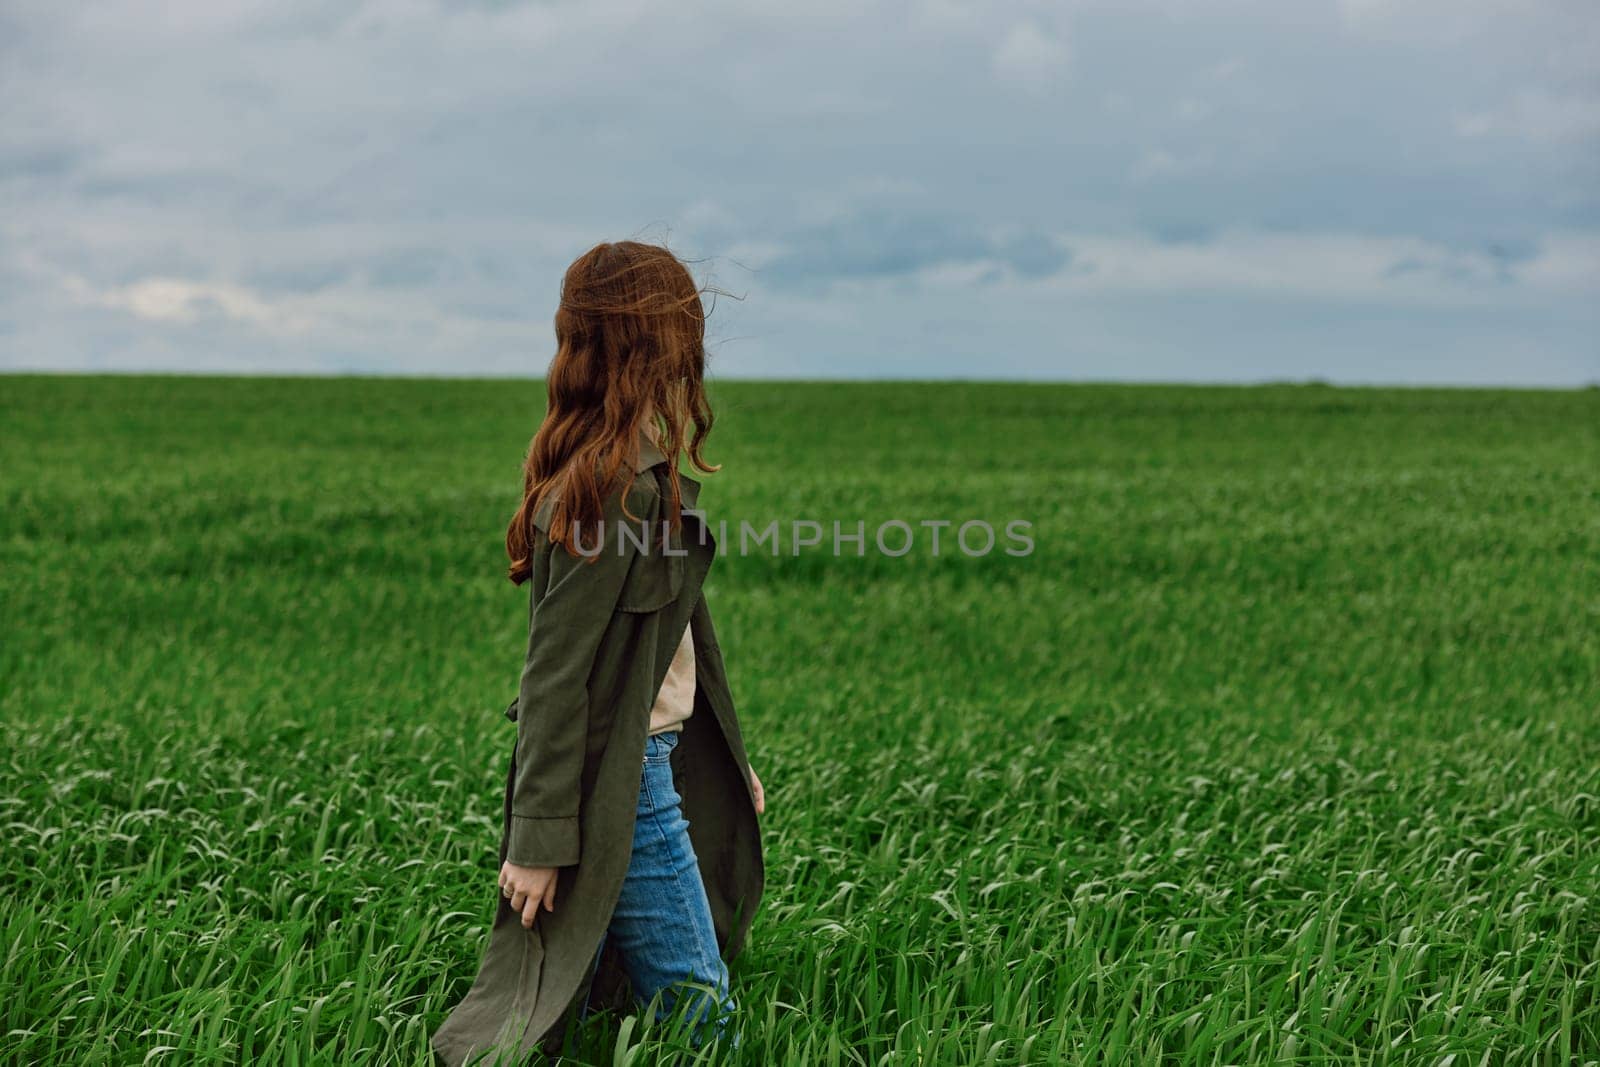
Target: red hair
{"type": "Point", "coordinates": [630, 348]}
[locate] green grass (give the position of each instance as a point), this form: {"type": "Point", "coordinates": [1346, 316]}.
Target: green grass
{"type": "Point", "coordinates": [1282, 747]}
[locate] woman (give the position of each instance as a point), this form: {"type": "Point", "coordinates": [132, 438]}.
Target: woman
{"type": "Point", "coordinates": [631, 856]}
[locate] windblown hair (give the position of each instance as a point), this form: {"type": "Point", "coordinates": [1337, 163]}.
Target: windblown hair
{"type": "Point", "coordinates": [630, 347]}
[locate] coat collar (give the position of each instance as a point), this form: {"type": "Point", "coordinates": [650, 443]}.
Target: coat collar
{"type": "Point", "coordinates": [646, 457]}
{"type": "Point", "coordinates": [648, 454]}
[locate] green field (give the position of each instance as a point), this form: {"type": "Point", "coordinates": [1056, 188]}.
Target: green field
{"type": "Point", "coordinates": [1283, 746]}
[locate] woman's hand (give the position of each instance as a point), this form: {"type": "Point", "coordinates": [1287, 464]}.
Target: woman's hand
{"type": "Point", "coordinates": [761, 795]}
{"type": "Point", "coordinates": [527, 888]}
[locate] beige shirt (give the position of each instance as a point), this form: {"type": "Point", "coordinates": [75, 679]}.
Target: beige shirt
{"type": "Point", "coordinates": [675, 702]}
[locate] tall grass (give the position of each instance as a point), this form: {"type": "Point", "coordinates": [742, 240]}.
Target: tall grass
{"type": "Point", "coordinates": [1283, 746]}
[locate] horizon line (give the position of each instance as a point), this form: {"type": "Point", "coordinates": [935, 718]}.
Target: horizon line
{"type": "Point", "coordinates": [1309, 382]}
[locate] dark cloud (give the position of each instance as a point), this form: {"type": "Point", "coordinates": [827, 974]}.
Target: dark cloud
{"type": "Point", "coordinates": [1449, 270]}
{"type": "Point", "coordinates": [1034, 255]}
{"type": "Point", "coordinates": [876, 244]}
{"type": "Point", "coordinates": [1511, 251]}
{"type": "Point", "coordinates": [1496, 261]}
{"type": "Point", "coordinates": [1174, 232]}
{"type": "Point", "coordinates": [40, 160]}
{"type": "Point", "coordinates": [300, 278]}
{"type": "Point", "coordinates": [408, 268]}
{"type": "Point", "coordinates": [887, 244]}
{"type": "Point", "coordinates": [494, 5]}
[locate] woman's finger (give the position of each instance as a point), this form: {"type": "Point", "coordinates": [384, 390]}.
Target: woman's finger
{"type": "Point", "coordinates": [761, 794]}
{"type": "Point", "coordinates": [528, 912]}
{"type": "Point", "coordinates": [550, 896]}
{"type": "Point", "coordinates": [518, 899]}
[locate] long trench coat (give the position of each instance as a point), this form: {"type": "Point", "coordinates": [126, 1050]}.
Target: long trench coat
{"type": "Point", "coordinates": [600, 638]}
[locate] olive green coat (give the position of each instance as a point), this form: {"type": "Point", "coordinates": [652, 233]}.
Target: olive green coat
{"type": "Point", "coordinates": [600, 638]}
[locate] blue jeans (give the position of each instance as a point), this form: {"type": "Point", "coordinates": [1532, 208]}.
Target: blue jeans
{"type": "Point", "coordinates": [662, 924]}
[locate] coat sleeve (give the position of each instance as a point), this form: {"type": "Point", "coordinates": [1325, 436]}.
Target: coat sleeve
{"type": "Point", "coordinates": [565, 627]}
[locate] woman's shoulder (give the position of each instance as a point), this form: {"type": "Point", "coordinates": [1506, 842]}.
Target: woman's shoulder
{"type": "Point", "coordinates": [621, 502]}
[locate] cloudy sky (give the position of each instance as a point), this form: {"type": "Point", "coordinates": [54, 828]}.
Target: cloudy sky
{"type": "Point", "coordinates": [1367, 190]}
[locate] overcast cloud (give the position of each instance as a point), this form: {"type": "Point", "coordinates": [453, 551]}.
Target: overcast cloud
{"type": "Point", "coordinates": [1141, 189]}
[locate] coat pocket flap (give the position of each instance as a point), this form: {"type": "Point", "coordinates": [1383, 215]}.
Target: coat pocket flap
{"type": "Point", "coordinates": [655, 578]}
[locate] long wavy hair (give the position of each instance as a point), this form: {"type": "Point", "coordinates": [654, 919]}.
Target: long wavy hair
{"type": "Point", "coordinates": [630, 351]}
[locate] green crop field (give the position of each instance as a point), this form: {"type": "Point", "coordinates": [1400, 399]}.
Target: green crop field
{"type": "Point", "coordinates": [1282, 746]}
